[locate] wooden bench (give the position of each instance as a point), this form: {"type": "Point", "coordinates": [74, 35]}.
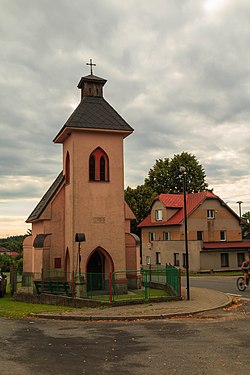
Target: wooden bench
{"type": "Point", "coordinates": [61, 288]}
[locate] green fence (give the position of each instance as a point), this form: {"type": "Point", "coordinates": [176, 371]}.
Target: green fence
{"type": "Point", "coordinates": [145, 284]}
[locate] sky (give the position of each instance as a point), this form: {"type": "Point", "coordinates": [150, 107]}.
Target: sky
{"type": "Point", "coordinates": [178, 72]}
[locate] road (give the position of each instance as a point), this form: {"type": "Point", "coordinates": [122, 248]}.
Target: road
{"type": "Point", "coordinates": [226, 284]}
{"type": "Point", "coordinates": [182, 346]}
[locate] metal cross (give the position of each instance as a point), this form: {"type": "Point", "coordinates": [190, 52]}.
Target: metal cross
{"type": "Point", "coordinates": [91, 65]}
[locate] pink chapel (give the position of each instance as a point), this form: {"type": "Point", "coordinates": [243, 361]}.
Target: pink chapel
{"type": "Point", "coordinates": [82, 223]}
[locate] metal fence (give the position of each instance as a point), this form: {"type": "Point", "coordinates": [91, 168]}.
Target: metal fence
{"type": "Point", "coordinates": [144, 284]}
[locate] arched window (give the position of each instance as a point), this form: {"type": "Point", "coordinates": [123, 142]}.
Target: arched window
{"type": "Point", "coordinates": [98, 165]}
{"type": "Point", "coordinates": [92, 176]}
{"type": "Point", "coordinates": [67, 169]}
{"type": "Point", "coordinates": [102, 169]}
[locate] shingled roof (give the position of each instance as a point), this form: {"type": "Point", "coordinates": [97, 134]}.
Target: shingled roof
{"type": "Point", "coordinates": [94, 112]}
{"type": "Point", "coordinates": [177, 201]}
{"type": "Point", "coordinates": [35, 214]}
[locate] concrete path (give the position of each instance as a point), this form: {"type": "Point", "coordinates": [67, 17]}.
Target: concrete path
{"type": "Point", "coordinates": [201, 299]}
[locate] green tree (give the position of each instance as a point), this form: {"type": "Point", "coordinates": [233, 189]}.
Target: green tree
{"type": "Point", "coordinates": [165, 176]}
{"type": "Point", "coordinates": [13, 243]}
{"type": "Point", "coordinates": [139, 200]}
{"type": "Point", "coordinates": [5, 262]}
{"type": "Point", "coordinates": [246, 225]}
{"type": "Point", "coordinates": [158, 176]}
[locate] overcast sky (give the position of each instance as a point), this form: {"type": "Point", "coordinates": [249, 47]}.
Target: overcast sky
{"type": "Point", "coordinates": [178, 72]}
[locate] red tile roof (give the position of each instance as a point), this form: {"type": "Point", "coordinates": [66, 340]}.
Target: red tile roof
{"type": "Point", "coordinates": [177, 201]}
{"type": "Point", "coordinates": [226, 245]}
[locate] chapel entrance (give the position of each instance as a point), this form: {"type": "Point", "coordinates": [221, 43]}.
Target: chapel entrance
{"type": "Point", "coordinates": [96, 271]}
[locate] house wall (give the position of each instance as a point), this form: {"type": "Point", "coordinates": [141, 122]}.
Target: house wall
{"type": "Point", "coordinates": [197, 221]}
{"type": "Point", "coordinates": [57, 223]}
{"type": "Point", "coordinates": [224, 220]}
{"type": "Point", "coordinates": [167, 250]}
{"type": "Point", "coordinates": [132, 253]}
{"type": "Point", "coordinates": [212, 260]}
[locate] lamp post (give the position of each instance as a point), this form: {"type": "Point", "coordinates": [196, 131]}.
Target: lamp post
{"type": "Point", "coordinates": [184, 173]}
{"type": "Point", "coordinates": [239, 203]}
{"type": "Point", "coordinates": [79, 237]}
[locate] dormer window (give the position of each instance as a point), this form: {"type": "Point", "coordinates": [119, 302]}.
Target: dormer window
{"type": "Point", "coordinates": [98, 166]}
{"type": "Point", "coordinates": [158, 215]}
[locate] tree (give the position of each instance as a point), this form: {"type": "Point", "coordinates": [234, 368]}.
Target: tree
{"type": "Point", "coordinates": [13, 243]}
{"type": "Point", "coordinates": [139, 200]}
{"type": "Point", "coordinates": [165, 176]}
{"type": "Point", "coordinates": [158, 176]}
{"type": "Point", "coordinates": [246, 225]}
{"type": "Point", "coordinates": [5, 262]}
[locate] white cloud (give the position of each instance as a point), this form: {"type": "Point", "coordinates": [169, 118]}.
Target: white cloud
{"type": "Point", "coordinates": [178, 72]}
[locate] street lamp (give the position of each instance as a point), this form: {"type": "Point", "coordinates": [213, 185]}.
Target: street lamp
{"type": "Point", "coordinates": [79, 237]}
{"type": "Point", "coordinates": [239, 203]}
{"type": "Point", "coordinates": [184, 173]}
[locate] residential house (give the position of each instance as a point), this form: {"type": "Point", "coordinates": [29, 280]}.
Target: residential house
{"type": "Point", "coordinates": [214, 233]}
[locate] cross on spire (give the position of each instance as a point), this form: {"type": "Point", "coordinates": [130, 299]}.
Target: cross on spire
{"type": "Point", "coordinates": [91, 66]}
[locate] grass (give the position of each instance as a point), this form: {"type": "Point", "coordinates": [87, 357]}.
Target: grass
{"type": "Point", "coordinates": [9, 308]}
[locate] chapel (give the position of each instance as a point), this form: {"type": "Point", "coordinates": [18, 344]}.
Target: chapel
{"type": "Point", "coordinates": [82, 222]}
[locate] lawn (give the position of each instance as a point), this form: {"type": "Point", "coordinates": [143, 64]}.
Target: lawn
{"type": "Point", "coordinates": [9, 308]}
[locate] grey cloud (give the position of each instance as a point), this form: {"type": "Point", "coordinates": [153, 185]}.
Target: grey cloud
{"type": "Point", "coordinates": [179, 76]}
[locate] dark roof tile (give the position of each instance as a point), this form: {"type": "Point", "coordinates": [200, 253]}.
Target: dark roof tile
{"type": "Point", "coordinates": [96, 113]}
{"type": "Point", "coordinates": [46, 199]}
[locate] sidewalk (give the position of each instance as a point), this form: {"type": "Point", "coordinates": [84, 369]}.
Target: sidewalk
{"type": "Point", "coordinates": [201, 299]}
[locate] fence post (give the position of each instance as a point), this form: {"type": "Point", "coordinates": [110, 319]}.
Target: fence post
{"type": "Point", "coordinates": [42, 279]}
{"type": "Point", "coordinates": [146, 283]}
{"type": "Point", "coordinates": [110, 287]}
{"type": "Point", "coordinates": [13, 280]}
{"type": "Point", "coordinates": [73, 284]}
{"type": "Point", "coordinates": [179, 279]}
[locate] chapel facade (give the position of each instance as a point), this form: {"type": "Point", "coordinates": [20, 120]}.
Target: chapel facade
{"type": "Point", "coordinates": [82, 223]}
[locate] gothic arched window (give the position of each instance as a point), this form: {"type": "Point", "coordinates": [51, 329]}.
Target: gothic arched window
{"type": "Point", "coordinates": [92, 168]}
{"type": "Point", "coordinates": [98, 165]}
{"type": "Point", "coordinates": [102, 169]}
{"type": "Point", "coordinates": [67, 169]}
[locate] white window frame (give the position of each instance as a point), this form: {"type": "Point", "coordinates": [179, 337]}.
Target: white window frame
{"type": "Point", "coordinates": [223, 235]}
{"type": "Point", "coordinates": [177, 259]}
{"type": "Point", "coordinates": [151, 236]}
{"type": "Point", "coordinates": [158, 215]}
{"type": "Point", "coordinates": [166, 236]}
{"type": "Point", "coordinates": [210, 214]}
{"type": "Point", "coordinates": [158, 257]}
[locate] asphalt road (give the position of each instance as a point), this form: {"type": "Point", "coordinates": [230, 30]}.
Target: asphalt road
{"type": "Point", "coordinates": [210, 345]}
{"type": "Point", "coordinates": [226, 284]}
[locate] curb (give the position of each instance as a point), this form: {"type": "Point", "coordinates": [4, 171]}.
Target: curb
{"type": "Point", "coordinates": [129, 318]}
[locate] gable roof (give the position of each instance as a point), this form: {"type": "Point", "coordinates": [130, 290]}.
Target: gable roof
{"type": "Point", "coordinates": [176, 201]}
{"type": "Point", "coordinates": [35, 214]}
{"type": "Point", "coordinates": [95, 113]}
